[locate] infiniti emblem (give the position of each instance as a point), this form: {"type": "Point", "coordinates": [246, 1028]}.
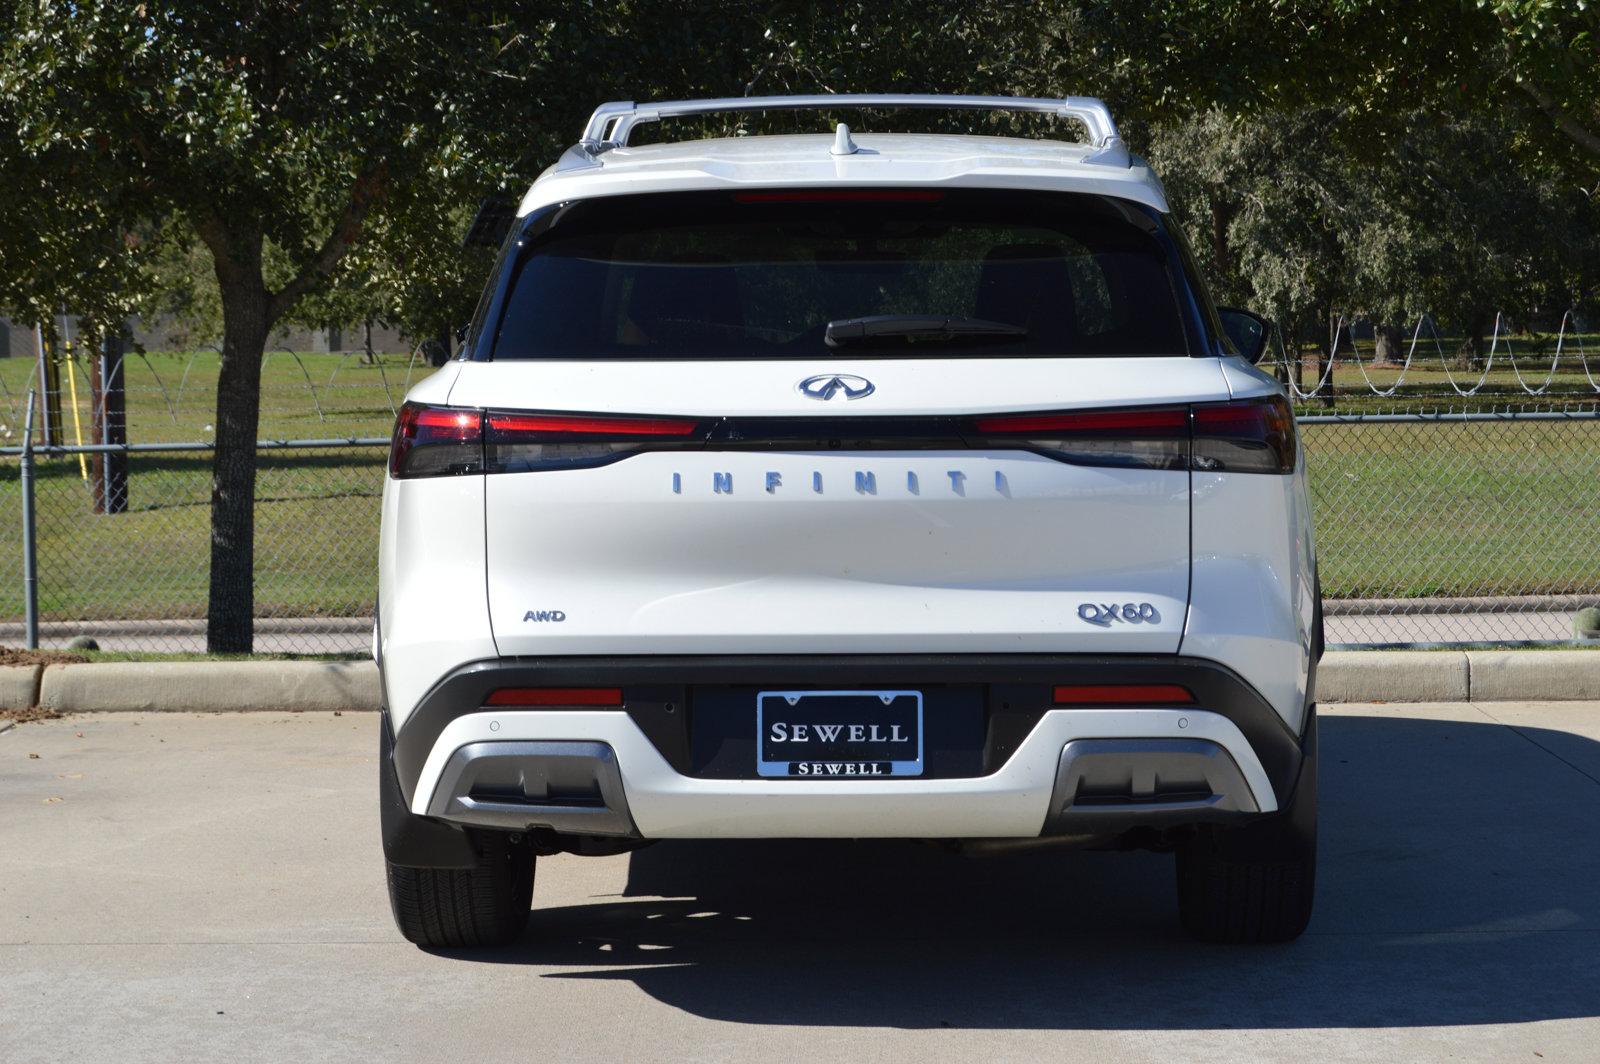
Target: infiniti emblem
{"type": "Point", "coordinates": [825, 386]}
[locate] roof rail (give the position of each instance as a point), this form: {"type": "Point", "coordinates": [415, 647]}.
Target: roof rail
{"type": "Point", "coordinates": [611, 123]}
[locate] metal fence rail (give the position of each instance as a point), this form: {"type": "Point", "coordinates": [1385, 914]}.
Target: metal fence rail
{"type": "Point", "coordinates": [1475, 526]}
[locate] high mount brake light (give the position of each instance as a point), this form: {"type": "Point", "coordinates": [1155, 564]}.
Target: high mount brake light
{"type": "Point", "coordinates": [1248, 436]}
{"type": "Point", "coordinates": [841, 195]}
{"type": "Point", "coordinates": [1122, 694]}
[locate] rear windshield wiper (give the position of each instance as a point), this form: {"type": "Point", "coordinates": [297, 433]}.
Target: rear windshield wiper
{"type": "Point", "coordinates": [918, 328]}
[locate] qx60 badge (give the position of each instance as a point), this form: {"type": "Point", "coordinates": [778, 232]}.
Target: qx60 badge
{"type": "Point", "coordinates": [825, 386]}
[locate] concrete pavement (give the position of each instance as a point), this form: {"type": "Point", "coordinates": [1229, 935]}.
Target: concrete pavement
{"type": "Point", "coordinates": [182, 887]}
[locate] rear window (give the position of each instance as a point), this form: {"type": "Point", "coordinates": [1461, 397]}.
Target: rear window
{"type": "Point", "coordinates": [764, 274]}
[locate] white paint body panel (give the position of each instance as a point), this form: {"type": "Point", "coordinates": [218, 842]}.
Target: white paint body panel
{"type": "Point", "coordinates": [646, 555]}
{"type": "Point", "coordinates": [886, 159]}
{"type": "Point", "coordinates": [638, 569]}
{"type": "Point", "coordinates": [1010, 803]}
{"type": "Point", "coordinates": [904, 387]}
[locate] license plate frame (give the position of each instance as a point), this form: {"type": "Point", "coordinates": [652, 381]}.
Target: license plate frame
{"type": "Point", "coordinates": [885, 766]}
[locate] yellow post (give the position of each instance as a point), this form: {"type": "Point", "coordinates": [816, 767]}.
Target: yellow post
{"type": "Point", "coordinates": [77, 426]}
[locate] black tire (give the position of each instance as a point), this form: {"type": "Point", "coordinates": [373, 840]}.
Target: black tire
{"type": "Point", "coordinates": [1255, 883]}
{"type": "Point", "coordinates": [453, 908]}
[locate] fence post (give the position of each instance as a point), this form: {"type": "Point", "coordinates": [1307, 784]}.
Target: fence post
{"type": "Point", "coordinates": [50, 385]}
{"type": "Point", "coordinates": [109, 416]}
{"type": "Point", "coordinates": [30, 561]}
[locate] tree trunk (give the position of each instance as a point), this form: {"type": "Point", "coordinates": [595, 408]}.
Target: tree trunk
{"type": "Point", "coordinates": [1386, 342]}
{"type": "Point", "coordinates": [246, 320]}
{"type": "Point", "coordinates": [1471, 353]}
{"type": "Point", "coordinates": [1220, 217]}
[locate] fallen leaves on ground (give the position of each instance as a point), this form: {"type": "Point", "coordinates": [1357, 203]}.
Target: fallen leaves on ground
{"type": "Point", "coordinates": [28, 716]}
{"type": "Point", "coordinates": [19, 656]}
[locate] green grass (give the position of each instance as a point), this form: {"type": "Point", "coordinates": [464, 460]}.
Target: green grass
{"type": "Point", "coordinates": [171, 396]}
{"type": "Point", "coordinates": [1456, 508]}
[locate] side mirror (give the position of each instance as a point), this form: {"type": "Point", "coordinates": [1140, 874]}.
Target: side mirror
{"type": "Point", "coordinates": [1246, 331]}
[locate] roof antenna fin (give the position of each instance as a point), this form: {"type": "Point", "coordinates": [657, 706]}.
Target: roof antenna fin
{"type": "Point", "coordinates": [842, 144]}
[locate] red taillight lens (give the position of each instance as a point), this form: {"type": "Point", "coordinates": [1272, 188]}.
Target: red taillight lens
{"type": "Point", "coordinates": [519, 442]}
{"type": "Point", "coordinates": [1122, 694]}
{"type": "Point", "coordinates": [436, 441]}
{"type": "Point", "coordinates": [1155, 438]}
{"type": "Point", "coordinates": [510, 426]}
{"type": "Point", "coordinates": [1254, 436]}
{"type": "Point", "coordinates": [1250, 436]}
{"type": "Point", "coordinates": [1169, 421]}
{"type": "Point", "coordinates": [555, 696]}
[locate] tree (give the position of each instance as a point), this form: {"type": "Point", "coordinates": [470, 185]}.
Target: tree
{"type": "Point", "coordinates": [1536, 60]}
{"type": "Point", "coordinates": [264, 129]}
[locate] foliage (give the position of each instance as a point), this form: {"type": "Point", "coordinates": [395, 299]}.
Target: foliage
{"type": "Point", "coordinates": [1286, 221]}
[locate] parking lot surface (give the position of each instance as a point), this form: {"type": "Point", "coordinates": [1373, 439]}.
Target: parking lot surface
{"type": "Point", "coordinates": [210, 887]}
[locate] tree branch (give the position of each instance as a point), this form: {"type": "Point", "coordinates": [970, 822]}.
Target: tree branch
{"type": "Point", "coordinates": [1584, 137]}
{"type": "Point", "coordinates": [214, 235]}
{"type": "Point", "coordinates": [368, 186]}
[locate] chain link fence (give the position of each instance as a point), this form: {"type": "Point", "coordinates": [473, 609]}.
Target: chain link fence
{"type": "Point", "coordinates": [1436, 523]}
{"type": "Point", "coordinates": [138, 579]}
{"type": "Point", "coordinates": [1455, 527]}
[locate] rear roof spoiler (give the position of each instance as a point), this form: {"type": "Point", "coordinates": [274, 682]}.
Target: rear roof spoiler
{"type": "Point", "coordinates": [611, 123]}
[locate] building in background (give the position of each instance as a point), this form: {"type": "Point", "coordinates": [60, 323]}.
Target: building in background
{"type": "Point", "coordinates": [16, 338]}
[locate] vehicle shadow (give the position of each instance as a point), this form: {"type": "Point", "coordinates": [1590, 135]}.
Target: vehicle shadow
{"type": "Point", "coordinates": [1459, 884]}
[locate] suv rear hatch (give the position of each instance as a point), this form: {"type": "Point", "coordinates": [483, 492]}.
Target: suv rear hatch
{"type": "Point", "coordinates": [835, 422]}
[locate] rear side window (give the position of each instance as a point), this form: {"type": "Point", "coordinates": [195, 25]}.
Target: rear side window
{"type": "Point", "coordinates": [764, 274]}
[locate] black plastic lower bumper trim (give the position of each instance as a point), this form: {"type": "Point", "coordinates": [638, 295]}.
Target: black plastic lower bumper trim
{"type": "Point", "coordinates": [656, 688]}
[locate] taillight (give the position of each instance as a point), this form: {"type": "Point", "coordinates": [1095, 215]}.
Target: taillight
{"type": "Point", "coordinates": [1254, 436]}
{"type": "Point", "coordinates": [1122, 694]}
{"type": "Point", "coordinates": [436, 441]}
{"type": "Point", "coordinates": [516, 442]}
{"type": "Point", "coordinates": [1154, 438]}
{"type": "Point", "coordinates": [1249, 436]}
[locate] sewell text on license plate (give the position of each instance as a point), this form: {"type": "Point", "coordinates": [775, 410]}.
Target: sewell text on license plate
{"type": "Point", "coordinates": [838, 734]}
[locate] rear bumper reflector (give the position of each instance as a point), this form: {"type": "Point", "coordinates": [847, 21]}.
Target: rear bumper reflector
{"type": "Point", "coordinates": [1118, 694]}
{"type": "Point", "coordinates": [555, 696]}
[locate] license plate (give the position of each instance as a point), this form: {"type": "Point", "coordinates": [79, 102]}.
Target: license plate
{"type": "Point", "coordinates": [839, 734]}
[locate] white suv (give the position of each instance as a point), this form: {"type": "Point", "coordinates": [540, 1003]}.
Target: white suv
{"type": "Point", "coordinates": [878, 486]}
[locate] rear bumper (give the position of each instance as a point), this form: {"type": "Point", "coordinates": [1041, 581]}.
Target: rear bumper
{"type": "Point", "coordinates": [1042, 770]}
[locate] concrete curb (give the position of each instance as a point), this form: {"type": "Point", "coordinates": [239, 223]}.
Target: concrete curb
{"type": "Point", "coordinates": [204, 686]}
{"type": "Point", "coordinates": [208, 686]}
{"type": "Point", "coordinates": [1458, 676]}
{"type": "Point", "coordinates": [1393, 676]}
{"type": "Point", "coordinates": [1511, 675]}
{"type": "Point", "coordinates": [19, 686]}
